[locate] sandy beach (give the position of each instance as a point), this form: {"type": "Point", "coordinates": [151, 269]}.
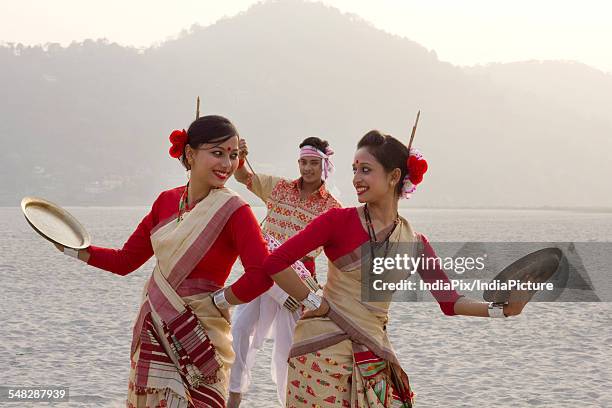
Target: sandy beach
{"type": "Point", "coordinates": [67, 324]}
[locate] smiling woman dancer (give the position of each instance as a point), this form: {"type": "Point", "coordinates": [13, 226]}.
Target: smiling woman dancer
{"type": "Point", "coordinates": [181, 346]}
{"type": "Point", "coordinates": [341, 354]}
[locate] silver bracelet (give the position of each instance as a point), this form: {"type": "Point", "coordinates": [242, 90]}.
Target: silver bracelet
{"type": "Point", "coordinates": [291, 304]}
{"type": "Point", "coordinates": [220, 300]}
{"type": "Point", "coordinates": [496, 310]}
{"type": "Point", "coordinates": [71, 252]}
{"type": "Point", "coordinates": [312, 301]}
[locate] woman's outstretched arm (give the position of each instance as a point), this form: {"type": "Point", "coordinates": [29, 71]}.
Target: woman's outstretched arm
{"type": "Point", "coordinates": [278, 264]}
{"type": "Point", "coordinates": [471, 307]}
{"type": "Point", "coordinates": [132, 255]}
{"type": "Point", "coordinates": [451, 302]}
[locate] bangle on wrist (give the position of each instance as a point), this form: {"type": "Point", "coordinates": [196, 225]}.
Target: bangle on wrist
{"type": "Point", "coordinates": [291, 304]}
{"type": "Point", "coordinates": [219, 299]}
{"type": "Point", "coordinates": [71, 252]}
{"type": "Point", "coordinates": [497, 309]}
{"type": "Point", "coordinates": [312, 301]}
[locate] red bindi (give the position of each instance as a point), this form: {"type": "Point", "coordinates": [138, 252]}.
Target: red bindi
{"type": "Point", "coordinates": [357, 161]}
{"type": "Point", "coordinates": [229, 149]}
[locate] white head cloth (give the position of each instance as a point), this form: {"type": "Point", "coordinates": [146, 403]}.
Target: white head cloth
{"type": "Point", "coordinates": [326, 164]}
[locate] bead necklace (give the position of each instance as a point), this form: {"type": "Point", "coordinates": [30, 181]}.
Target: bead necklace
{"type": "Point", "coordinates": [372, 232]}
{"type": "Point", "coordinates": [183, 204]}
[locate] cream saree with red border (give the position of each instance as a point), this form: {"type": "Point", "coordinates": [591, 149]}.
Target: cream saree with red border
{"type": "Point", "coordinates": [345, 359]}
{"type": "Point", "coordinates": [181, 347]}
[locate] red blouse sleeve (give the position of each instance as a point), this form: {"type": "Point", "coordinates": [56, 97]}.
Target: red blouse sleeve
{"type": "Point", "coordinates": [134, 253]}
{"type": "Point", "coordinates": [252, 250]}
{"type": "Point", "coordinates": [316, 234]}
{"type": "Point", "coordinates": [446, 298]}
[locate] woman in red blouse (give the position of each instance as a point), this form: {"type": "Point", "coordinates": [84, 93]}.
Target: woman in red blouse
{"type": "Point", "coordinates": [341, 353]}
{"type": "Point", "coordinates": [181, 347]}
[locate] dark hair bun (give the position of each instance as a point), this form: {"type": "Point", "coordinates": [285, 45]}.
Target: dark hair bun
{"type": "Point", "coordinates": [321, 145]}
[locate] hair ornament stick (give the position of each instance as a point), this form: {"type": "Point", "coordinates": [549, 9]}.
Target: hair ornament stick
{"type": "Point", "coordinates": [416, 123]}
{"type": "Point", "coordinates": [416, 165]}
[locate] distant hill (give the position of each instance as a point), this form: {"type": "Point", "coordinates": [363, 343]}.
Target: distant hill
{"type": "Point", "coordinates": [88, 124]}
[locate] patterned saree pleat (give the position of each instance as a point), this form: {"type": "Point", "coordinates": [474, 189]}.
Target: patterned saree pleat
{"type": "Point", "coordinates": [379, 380]}
{"type": "Point", "coordinates": [192, 347]}
{"type": "Point", "coordinates": [154, 368]}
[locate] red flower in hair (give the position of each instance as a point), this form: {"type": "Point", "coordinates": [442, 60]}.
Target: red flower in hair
{"type": "Point", "coordinates": [416, 168]}
{"type": "Point", "coordinates": [178, 138]}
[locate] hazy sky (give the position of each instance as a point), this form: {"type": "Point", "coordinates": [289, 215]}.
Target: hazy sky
{"type": "Point", "coordinates": [464, 32]}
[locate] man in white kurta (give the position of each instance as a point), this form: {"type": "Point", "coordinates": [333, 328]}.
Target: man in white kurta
{"type": "Point", "coordinates": [291, 204]}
